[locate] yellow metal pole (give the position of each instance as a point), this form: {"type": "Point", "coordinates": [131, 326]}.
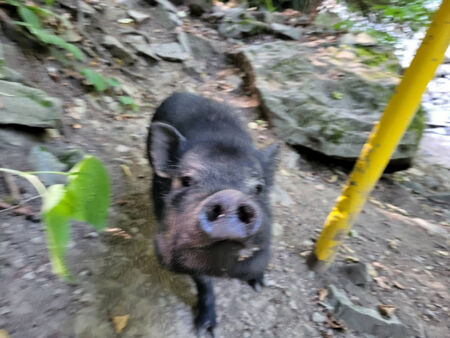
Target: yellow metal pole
{"type": "Point", "coordinates": [384, 138]}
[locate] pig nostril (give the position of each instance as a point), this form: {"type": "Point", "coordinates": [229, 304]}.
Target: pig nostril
{"type": "Point", "coordinates": [246, 214]}
{"type": "Point", "coordinates": [214, 213]}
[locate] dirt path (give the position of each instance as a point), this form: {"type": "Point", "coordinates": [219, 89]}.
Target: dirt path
{"type": "Point", "coordinates": [117, 274]}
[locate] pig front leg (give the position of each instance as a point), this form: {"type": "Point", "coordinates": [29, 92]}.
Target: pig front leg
{"type": "Point", "coordinates": [206, 311]}
{"type": "Point", "coordinates": [258, 282]}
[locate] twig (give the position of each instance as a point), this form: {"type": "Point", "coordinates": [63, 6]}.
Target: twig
{"type": "Point", "coordinates": [8, 207]}
{"type": "Point", "coordinates": [12, 186]}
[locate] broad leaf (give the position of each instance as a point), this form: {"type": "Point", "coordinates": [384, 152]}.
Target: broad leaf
{"type": "Point", "coordinates": [55, 40]}
{"type": "Point", "coordinates": [57, 209]}
{"type": "Point", "coordinates": [96, 79]}
{"type": "Point", "coordinates": [29, 17]}
{"type": "Point", "coordinates": [89, 190]}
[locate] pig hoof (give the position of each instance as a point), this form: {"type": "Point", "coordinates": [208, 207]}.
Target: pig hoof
{"type": "Point", "coordinates": [205, 323]}
{"type": "Point", "coordinates": [257, 283]}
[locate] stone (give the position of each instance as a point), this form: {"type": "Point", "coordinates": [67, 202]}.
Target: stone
{"type": "Point", "coordinates": [198, 7]}
{"type": "Point", "coordinates": [40, 159]}
{"type": "Point", "coordinates": [165, 18]}
{"type": "Point", "coordinates": [87, 9]}
{"type": "Point", "coordinates": [137, 16]}
{"type": "Point", "coordinates": [118, 50]}
{"type": "Point", "coordinates": [317, 101]}
{"type": "Point", "coordinates": [358, 273]}
{"type": "Point", "coordinates": [171, 51]}
{"type": "Point", "coordinates": [361, 39]}
{"type": "Point", "coordinates": [239, 23]}
{"type": "Point", "coordinates": [27, 106]}
{"type": "Point", "coordinates": [361, 319]}
{"type": "Point", "coordinates": [318, 317]}
{"type": "Point", "coordinates": [196, 46]}
{"type": "Point", "coordinates": [167, 5]}
{"type": "Point", "coordinates": [146, 50]}
{"type": "Point", "coordinates": [286, 31]}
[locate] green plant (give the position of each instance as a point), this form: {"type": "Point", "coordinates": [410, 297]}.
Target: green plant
{"type": "Point", "coordinates": [32, 17]}
{"type": "Point", "coordinates": [128, 102]}
{"type": "Point", "coordinates": [84, 198]}
{"type": "Point", "coordinates": [98, 81]}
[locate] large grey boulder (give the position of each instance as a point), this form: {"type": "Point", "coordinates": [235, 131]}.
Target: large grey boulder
{"type": "Point", "coordinates": [325, 99]}
{"type": "Point", "coordinates": [26, 106]}
{"type": "Point", "coordinates": [362, 319]}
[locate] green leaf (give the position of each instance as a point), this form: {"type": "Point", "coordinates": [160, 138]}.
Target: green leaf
{"type": "Point", "coordinates": [337, 95]}
{"type": "Point", "coordinates": [55, 40]}
{"type": "Point", "coordinates": [96, 79]}
{"type": "Point", "coordinates": [49, 2]}
{"type": "Point", "coordinates": [57, 210]}
{"type": "Point", "coordinates": [29, 17]}
{"type": "Point", "coordinates": [112, 82]}
{"type": "Point", "coordinates": [128, 101]}
{"type": "Point", "coordinates": [89, 190]}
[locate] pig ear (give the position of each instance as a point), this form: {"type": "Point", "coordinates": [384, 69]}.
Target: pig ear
{"type": "Point", "coordinates": [270, 159]}
{"type": "Point", "coordinates": [163, 145]}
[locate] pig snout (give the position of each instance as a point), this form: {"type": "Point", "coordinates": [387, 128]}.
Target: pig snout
{"type": "Point", "coordinates": [229, 215]}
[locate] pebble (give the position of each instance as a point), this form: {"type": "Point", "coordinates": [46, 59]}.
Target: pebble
{"type": "Point", "coordinates": [122, 148]}
{"type": "Point", "coordinates": [36, 240]}
{"type": "Point", "coordinates": [29, 275]}
{"type": "Point", "coordinates": [318, 317]}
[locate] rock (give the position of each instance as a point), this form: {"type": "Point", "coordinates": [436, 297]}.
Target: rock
{"type": "Point", "coordinates": [167, 5]}
{"type": "Point", "coordinates": [122, 148]}
{"type": "Point", "coordinates": [318, 317]}
{"type": "Point", "coordinates": [87, 9]}
{"type": "Point", "coordinates": [118, 50]}
{"type": "Point", "coordinates": [358, 273]}
{"type": "Point", "coordinates": [7, 73]}
{"type": "Point", "coordinates": [239, 23]}
{"type": "Point", "coordinates": [326, 20]}
{"type": "Point", "coordinates": [361, 319]}
{"type": "Point", "coordinates": [171, 51]}
{"type": "Point", "coordinates": [310, 106]}
{"type": "Point", "coordinates": [137, 16]}
{"type": "Point", "coordinates": [26, 106]}
{"type": "Point", "coordinates": [165, 18]}
{"type": "Point", "coordinates": [290, 32]}
{"type": "Point", "coordinates": [146, 50]}
{"type": "Point", "coordinates": [70, 156]}
{"type": "Point", "coordinates": [198, 7]}
{"type": "Point", "coordinates": [197, 46]}
{"type": "Point", "coordinates": [40, 159]}
{"type": "Point", "coordinates": [361, 39]}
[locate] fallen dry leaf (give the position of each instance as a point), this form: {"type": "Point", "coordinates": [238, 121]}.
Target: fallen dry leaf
{"type": "Point", "coordinates": [380, 266]}
{"type": "Point", "coordinates": [334, 324]}
{"type": "Point", "coordinates": [382, 282]}
{"type": "Point", "coordinates": [120, 322]}
{"type": "Point", "coordinates": [323, 293]}
{"type": "Point", "coordinates": [346, 248]}
{"type": "Point", "coordinates": [126, 170]}
{"type": "Point", "coordinates": [387, 310]}
{"type": "Point", "coordinates": [76, 126]}
{"type": "Point", "coordinates": [332, 179]}
{"type": "Point", "coordinates": [398, 285]}
{"type": "Point", "coordinates": [351, 259]}
{"type": "Point", "coordinates": [4, 334]}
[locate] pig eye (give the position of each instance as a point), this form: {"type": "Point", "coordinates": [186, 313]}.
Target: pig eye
{"type": "Point", "coordinates": [258, 189]}
{"type": "Point", "coordinates": [186, 181]}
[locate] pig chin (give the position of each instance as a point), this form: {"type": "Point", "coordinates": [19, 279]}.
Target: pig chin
{"type": "Point", "coordinates": [185, 248]}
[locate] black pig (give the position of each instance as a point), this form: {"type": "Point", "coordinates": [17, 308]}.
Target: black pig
{"type": "Point", "coordinates": [210, 192]}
